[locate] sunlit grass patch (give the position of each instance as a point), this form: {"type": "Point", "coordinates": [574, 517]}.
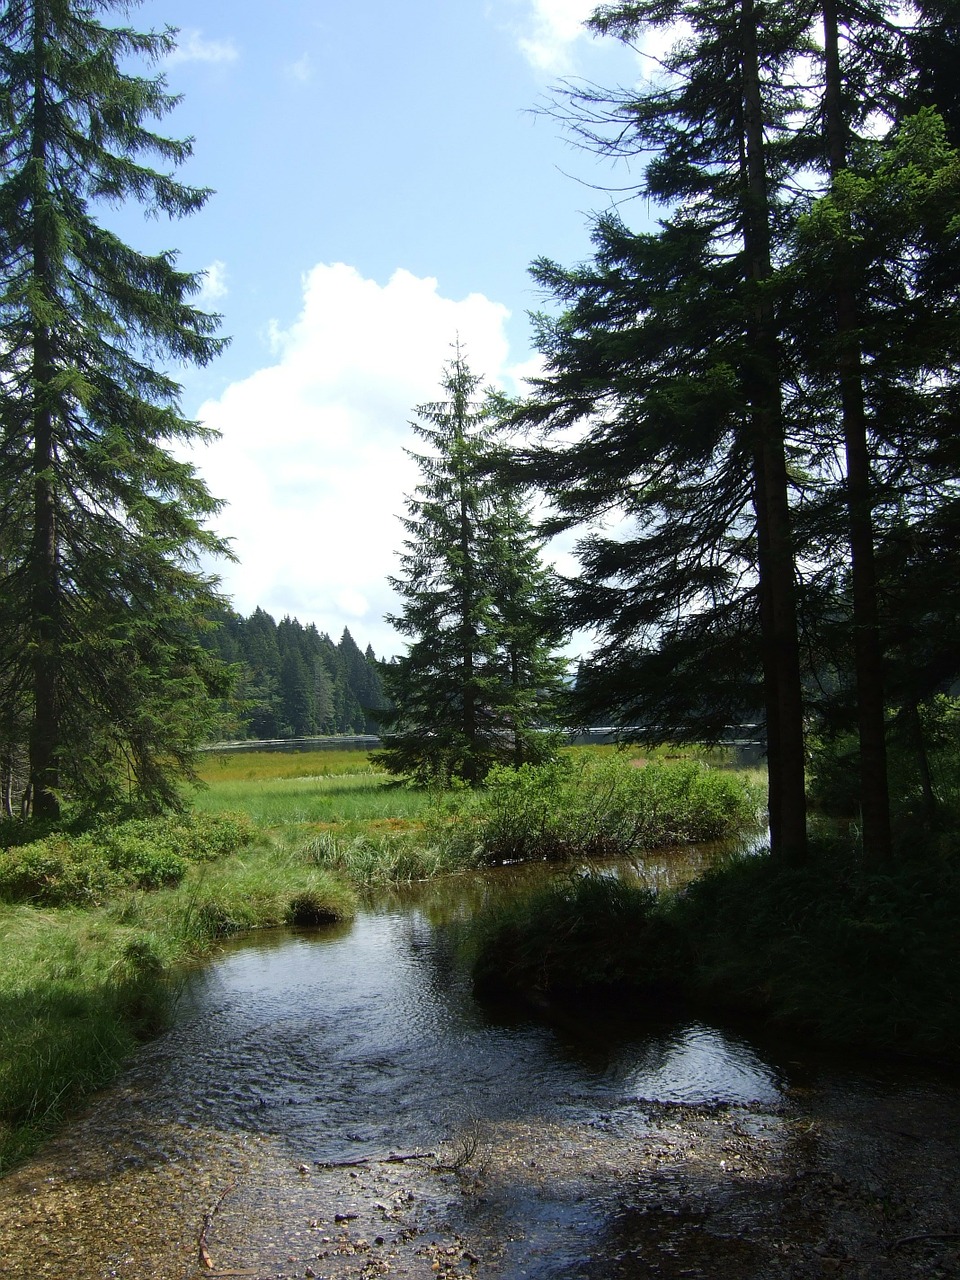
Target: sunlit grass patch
{"type": "Point", "coordinates": [76, 992]}
{"type": "Point", "coordinates": [585, 806]}
{"type": "Point", "coordinates": [231, 766]}
{"type": "Point", "coordinates": [258, 888]}
{"type": "Point", "coordinates": [278, 801]}
{"type": "Point", "coordinates": [80, 986]}
{"type": "Point", "coordinates": [371, 857]}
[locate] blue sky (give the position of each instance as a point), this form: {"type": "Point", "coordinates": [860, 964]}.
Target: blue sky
{"type": "Point", "coordinates": [382, 181]}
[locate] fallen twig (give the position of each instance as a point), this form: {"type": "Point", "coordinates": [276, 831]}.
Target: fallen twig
{"type": "Point", "coordinates": [205, 1260]}
{"type": "Point", "coordinates": [925, 1235]}
{"type": "Point", "coordinates": [391, 1159]}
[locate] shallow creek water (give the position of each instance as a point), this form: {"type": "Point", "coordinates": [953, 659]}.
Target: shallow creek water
{"type": "Point", "coordinates": [336, 1103]}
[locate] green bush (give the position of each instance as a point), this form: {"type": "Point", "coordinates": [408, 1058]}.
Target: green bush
{"type": "Point", "coordinates": [86, 869]}
{"type": "Point", "coordinates": [833, 949]}
{"type": "Point", "coordinates": [582, 806]}
{"type": "Point", "coordinates": [57, 871]}
{"type": "Point", "coordinates": [854, 955]}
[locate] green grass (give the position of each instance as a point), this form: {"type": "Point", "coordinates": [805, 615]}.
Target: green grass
{"type": "Point", "coordinates": [94, 923]}
{"type": "Point", "coordinates": [400, 857]}
{"type": "Point", "coordinates": [279, 801]}
{"type": "Point", "coordinates": [587, 805]}
{"type": "Point", "coordinates": [80, 985]}
{"type": "Point", "coordinates": [245, 766]}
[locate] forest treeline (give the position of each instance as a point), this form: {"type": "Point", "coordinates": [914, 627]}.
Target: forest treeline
{"type": "Point", "coordinates": [292, 681]}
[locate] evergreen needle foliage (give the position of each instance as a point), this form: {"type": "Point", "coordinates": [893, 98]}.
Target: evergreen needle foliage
{"type": "Point", "coordinates": [480, 611]}
{"type": "Point", "coordinates": [758, 398]}
{"type": "Point", "coordinates": [104, 689]}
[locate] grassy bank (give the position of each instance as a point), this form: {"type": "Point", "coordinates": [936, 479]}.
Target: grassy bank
{"type": "Point", "coordinates": [849, 956]}
{"type": "Point", "coordinates": [93, 928]}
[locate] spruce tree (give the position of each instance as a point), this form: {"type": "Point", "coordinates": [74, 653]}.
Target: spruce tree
{"type": "Point", "coordinates": [478, 671]}
{"type": "Point", "coordinates": [668, 362]}
{"type": "Point", "coordinates": [792, 321]}
{"type": "Point", "coordinates": [102, 528]}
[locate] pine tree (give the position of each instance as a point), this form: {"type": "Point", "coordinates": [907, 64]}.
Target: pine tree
{"type": "Point", "coordinates": [478, 671]}
{"type": "Point", "coordinates": [363, 679]}
{"type": "Point", "coordinates": [102, 528]}
{"type": "Point", "coordinates": [528, 618]}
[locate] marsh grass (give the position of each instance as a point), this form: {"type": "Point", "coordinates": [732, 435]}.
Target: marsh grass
{"type": "Point", "coordinates": [346, 798]}
{"type": "Point", "coordinates": [600, 805]}
{"type": "Point", "coordinates": [76, 993]}
{"type": "Point", "coordinates": [368, 859]}
{"type": "Point", "coordinates": [584, 933]}
{"type": "Point", "coordinates": [245, 766]}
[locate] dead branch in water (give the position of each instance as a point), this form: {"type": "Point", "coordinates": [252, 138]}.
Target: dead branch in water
{"type": "Point", "coordinates": [390, 1159]}
{"type": "Point", "coordinates": [205, 1260]}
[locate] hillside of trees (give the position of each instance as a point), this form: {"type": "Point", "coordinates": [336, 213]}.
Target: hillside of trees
{"type": "Point", "coordinates": [292, 681]}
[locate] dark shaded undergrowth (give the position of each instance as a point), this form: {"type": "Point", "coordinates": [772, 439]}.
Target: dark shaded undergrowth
{"type": "Point", "coordinates": [849, 955]}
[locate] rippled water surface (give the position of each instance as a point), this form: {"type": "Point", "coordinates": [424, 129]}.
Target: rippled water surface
{"type": "Point", "coordinates": [369, 1034]}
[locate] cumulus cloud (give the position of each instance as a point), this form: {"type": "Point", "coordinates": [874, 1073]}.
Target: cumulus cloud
{"type": "Point", "coordinates": [214, 286]}
{"type": "Point", "coordinates": [553, 29]}
{"type": "Point", "coordinates": [311, 457]}
{"type": "Point", "coordinates": [192, 46]}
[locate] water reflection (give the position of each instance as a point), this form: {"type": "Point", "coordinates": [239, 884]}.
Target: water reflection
{"type": "Point", "coordinates": [368, 1036]}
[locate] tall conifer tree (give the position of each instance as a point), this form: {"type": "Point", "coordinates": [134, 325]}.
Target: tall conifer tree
{"type": "Point", "coordinates": [102, 528]}
{"type": "Point", "coordinates": [669, 358]}
{"type": "Point", "coordinates": [478, 672]}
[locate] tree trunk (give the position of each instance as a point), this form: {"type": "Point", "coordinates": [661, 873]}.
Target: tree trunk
{"type": "Point", "coordinates": [868, 651]}
{"type": "Point", "coordinates": [775, 559]}
{"type": "Point", "coordinates": [44, 560]}
{"type": "Point", "coordinates": [467, 612]}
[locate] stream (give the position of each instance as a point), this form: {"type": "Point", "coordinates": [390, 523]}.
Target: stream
{"type": "Point", "coordinates": [335, 1103]}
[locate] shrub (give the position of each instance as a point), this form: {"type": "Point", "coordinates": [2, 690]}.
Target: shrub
{"type": "Point", "coordinates": [581, 806]}
{"type": "Point", "coordinates": [87, 868]}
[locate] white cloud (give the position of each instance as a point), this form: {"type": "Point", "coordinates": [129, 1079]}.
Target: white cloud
{"type": "Point", "coordinates": [554, 28]}
{"type": "Point", "coordinates": [193, 47]}
{"type": "Point", "coordinates": [214, 285]}
{"type": "Point", "coordinates": [311, 459]}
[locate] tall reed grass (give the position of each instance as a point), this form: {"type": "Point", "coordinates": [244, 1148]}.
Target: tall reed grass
{"type": "Point", "coordinates": [586, 805]}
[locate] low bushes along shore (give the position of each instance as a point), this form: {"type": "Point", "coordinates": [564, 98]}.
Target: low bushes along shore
{"type": "Point", "coordinates": [852, 956]}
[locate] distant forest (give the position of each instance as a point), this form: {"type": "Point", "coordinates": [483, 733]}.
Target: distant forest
{"type": "Point", "coordinates": [292, 680]}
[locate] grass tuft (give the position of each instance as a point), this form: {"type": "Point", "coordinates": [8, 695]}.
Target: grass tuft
{"type": "Point", "coordinates": [585, 805]}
